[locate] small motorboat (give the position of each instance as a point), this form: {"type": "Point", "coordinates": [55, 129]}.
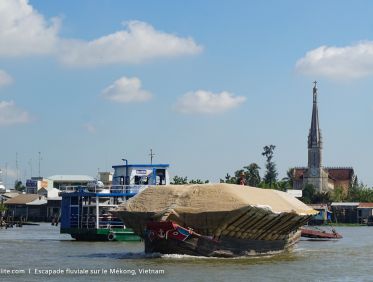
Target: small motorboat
{"type": "Point", "coordinates": [314, 233]}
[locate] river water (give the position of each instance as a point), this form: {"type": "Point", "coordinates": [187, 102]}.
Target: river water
{"type": "Point", "coordinates": [40, 253]}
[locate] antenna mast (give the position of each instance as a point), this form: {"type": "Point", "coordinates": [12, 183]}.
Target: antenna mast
{"type": "Point", "coordinates": [151, 156]}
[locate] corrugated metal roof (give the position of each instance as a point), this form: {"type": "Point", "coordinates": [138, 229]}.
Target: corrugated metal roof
{"type": "Point", "coordinates": [365, 206]}
{"type": "Point", "coordinates": [22, 199]}
{"type": "Point", "coordinates": [351, 204]}
{"type": "Point", "coordinates": [67, 177]}
{"type": "Point", "coordinates": [37, 202]}
{"type": "Point", "coordinates": [10, 194]}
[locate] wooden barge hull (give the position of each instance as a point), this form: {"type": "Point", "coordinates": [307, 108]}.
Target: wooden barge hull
{"type": "Point", "coordinates": [224, 247]}
{"type": "Point", "coordinates": [250, 231]}
{"type": "Point", "coordinates": [217, 220]}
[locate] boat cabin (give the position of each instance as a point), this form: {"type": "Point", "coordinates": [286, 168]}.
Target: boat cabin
{"type": "Point", "coordinates": [141, 174]}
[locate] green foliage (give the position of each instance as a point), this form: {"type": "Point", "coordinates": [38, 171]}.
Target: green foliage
{"type": "Point", "coordinates": [19, 186]}
{"type": "Point", "coordinates": [198, 181]}
{"type": "Point", "coordinates": [360, 193]}
{"type": "Point", "coordinates": [271, 174]}
{"type": "Point", "coordinates": [179, 180]}
{"type": "Point", "coordinates": [321, 198]}
{"type": "Point", "coordinates": [249, 175]}
{"type": "Point", "coordinates": [252, 175]}
{"type": "Point", "coordinates": [289, 177]}
{"type": "Point", "coordinates": [3, 208]}
{"type": "Point", "coordinates": [308, 194]}
{"type": "Point", "coordinates": [338, 194]}
{"type": "Point", "coordinates": [229, 179]}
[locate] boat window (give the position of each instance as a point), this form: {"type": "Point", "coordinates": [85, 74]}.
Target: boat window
{"type": "Point", "coordinates": [137, 180]}
{"type": "Point", "coordinates": [160, 177]}
{"type": "Point", "coordinates": [74, 200]}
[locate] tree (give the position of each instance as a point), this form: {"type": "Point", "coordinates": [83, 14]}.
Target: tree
{"type": "Point", "coordinates": [321, 198]}
{"type": "Point", "coordinates": [289, 178]}
{"type": "Point", "coordinates": [198, 181]}
{"type": "Point", "coordinates": [19, 186]}
{"type": "Point", "coordinates": [179, 180]}
{"type": "Point", "coordinates": [271, 174]}
{"type": "Point", "coordinates": [3, 208]}
{"type": "Point", "coordinates": [252, 175]}
{"type": "Point", "coordinates": [229, 179]}
{"type": "Point", "coordinates": [338, 194]}
{"type": "Point", "coordinates": [308, 194]}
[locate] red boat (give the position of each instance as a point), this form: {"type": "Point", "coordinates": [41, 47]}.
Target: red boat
{"type": "Point", "coordinates": [320, 234]}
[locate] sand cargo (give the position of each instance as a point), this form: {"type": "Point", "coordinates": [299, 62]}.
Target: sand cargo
{"type": "Point", "coordinates": [222, 220]}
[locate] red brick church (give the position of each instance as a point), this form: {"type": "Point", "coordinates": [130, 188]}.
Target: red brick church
{"type": "Point", "coordinates": [324, 179]}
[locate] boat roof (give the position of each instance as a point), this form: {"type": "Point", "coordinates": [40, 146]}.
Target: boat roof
{"type": "Point", "coordinates": [142, 165]}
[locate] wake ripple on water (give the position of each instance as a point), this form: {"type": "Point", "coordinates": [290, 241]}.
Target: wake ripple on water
{"type": "Point", "coordinates": [129, 255]}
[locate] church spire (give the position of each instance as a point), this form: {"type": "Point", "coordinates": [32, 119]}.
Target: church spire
{"type": "Point", "coordinates": [314, 137]}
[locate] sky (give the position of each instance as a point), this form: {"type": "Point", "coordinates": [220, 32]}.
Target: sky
{"type": "Point", "coordinates": [205, 84]}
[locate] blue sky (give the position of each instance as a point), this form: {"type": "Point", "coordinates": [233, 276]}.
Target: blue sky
{"type": "Point", "coordinates": [205, 84]}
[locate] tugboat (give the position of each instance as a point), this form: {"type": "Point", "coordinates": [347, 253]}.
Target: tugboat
{"type": "Point", "coordinates": [85, 211]}
{"type": "Point", "coordinates": [316, 233]}
{"type": "Point", "coordinates": [215, 220]}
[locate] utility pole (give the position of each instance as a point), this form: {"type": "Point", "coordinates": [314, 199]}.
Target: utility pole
{"type": "Point", "coordinates": [39, 163]}
{"type": "Point", "coordinates": [16, 166]}
{"type": "Point", "coordinates": [151, 156]}
{"type": "Point", "coordinates": [6, 174]}
{"type": "Point", "coordinates": [30, 164]}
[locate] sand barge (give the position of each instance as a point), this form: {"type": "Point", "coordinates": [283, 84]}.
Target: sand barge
{"type": "Point", "coordinates": [215, 219]}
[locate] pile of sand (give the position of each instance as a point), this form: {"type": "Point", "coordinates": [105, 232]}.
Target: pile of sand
{"type": "Point", "coordinates": [213, 198]}
{"type": "Point", "coordinates": [217, 210]}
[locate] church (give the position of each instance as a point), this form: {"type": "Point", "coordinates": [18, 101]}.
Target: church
{"type": "Point", "coordinates": [324, 179]}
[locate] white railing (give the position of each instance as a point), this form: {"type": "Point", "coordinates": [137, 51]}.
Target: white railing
{"type": "Point", "coordinates": [133, 189]}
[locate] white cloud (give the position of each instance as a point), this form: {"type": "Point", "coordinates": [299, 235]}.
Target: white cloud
{"type": "Point", "coordinates": [90, 128]}
{"type": "Point", "coordinates": [10, 114]}
{"type": "Point", "coordinates": [5, 78]}
{"type": "Point", "coordinates": [347, 62]}
{"type": "Point", "coordinates": [23, 31]}
{"type": "Point", "coordinates": [205, 102]}
{"type": "Point", "coordinates": [126, 90]}
{"type": "Point", "coordinates": [135, 44]}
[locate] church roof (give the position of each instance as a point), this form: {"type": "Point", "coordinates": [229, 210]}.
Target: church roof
{"type": "Point", "coordinates": [335, 173]}
{"type": "Point", "coordinates": [299, 172]}
{"type": "Point", "coordinates": [340, 173]}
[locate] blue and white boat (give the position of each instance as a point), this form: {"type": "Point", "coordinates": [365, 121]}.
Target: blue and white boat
{"type": "Point", "coordinates": [85, 211]}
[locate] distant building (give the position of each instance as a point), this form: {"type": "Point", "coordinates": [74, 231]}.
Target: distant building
{"type": "Point", "coordinates": [323, 216]}
{"type": "Point", "coordinates": [364, 211]}
{"type": "Point", "coordinates": [345, 212]}
{"type": "Point", "coordinates": [106, 177]}
{"type": "Point", "coordinates": [36, 183]}
{"type": "Point", "coordinates": [2, 187]}
{"type": "Point", "coordinates": [324, 179]}
{"type": "Point", "coordinates": [60, 181]}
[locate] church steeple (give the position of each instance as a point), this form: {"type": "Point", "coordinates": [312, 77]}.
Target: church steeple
{"type": "Point", "coordinates": [314, 136]}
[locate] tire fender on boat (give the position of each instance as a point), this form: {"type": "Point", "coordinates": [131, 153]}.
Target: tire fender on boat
{"type": "Point", "coordinates": [111, 236]}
